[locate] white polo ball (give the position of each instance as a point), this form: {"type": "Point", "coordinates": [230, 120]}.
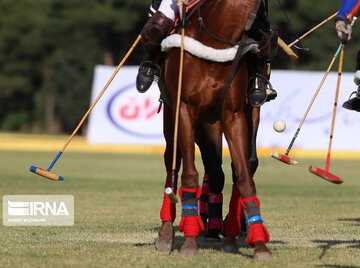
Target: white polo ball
{"type": "Point", "coordinates": [279, 125]}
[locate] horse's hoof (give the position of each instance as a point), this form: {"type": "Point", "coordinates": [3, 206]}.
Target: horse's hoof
{"type": "Point", "coordinates": [165, 241]}
{"type": "Point", "coordinates": [212, 236]}
{"type": "Point", "coordinates": [189, 248]}
{"type": "Point", "coordinates": [261, 252]}
{"type": "Point", "coordinates": [230, 245]}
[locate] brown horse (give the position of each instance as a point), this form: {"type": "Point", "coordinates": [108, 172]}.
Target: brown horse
{"type": "Point", "coordinates": [202, 86]}
{"type": "Point", "coordinates": [209, 140]}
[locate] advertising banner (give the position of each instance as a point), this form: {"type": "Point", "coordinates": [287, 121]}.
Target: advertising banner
{"type": "Point", "coordinates": [125, 117]}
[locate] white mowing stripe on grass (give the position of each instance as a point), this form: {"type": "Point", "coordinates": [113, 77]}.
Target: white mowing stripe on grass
{"type": "Point", "coordinates": [291, 240]}
{"type": "Point", "coordinates": [129, 238]}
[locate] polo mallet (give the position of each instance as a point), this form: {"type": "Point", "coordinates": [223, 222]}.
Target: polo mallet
{"type": "Point", "coordinates": [287, 49]}
{"type": "Point", "coordinates": [312, 29]}
{"type": "Point", "coordinates": [285, 158]}
{"type": "Point", "coordinates": [46, 173]}
{"type": "Point", "coordinates": [169, 191]}
{"type": "Point", "coordinates": [325, 174]}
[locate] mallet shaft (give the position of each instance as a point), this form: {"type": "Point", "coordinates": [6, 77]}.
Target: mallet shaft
{"type": "Point", "coordinates": [312, 29]}
{"type": "Point", "coordinates": [178, 100]}
{"type": "Point", "coordinates": [173, 198]}
{"type": "Point", "coordinates": [53, 176]}
{"type": "Point", "coordinates": [102, 92]}
{"type": "Point", "coordinates": [54, 161]}
{"type": "Point", "coordinates": [335, 105]}
{"type": "Point", "coordinates": [313, 99]}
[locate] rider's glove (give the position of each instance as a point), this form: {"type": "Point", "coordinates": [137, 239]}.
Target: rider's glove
{"type": "Point", "coordinates": [343, 29]}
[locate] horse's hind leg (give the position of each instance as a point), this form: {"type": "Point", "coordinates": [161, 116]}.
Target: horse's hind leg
{"type": "Point", "coordinates": [165, 240]}
{"type": "Point", "coordinates": [237, 135]}
{"type": "Point", "coordinates": [253, 123]}
{"type": "Point", "coordinates": [209, 140]}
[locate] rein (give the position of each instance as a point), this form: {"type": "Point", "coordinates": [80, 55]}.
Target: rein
{"type": "Point", "coordinates": [202, 26]}
{"type": "Point", "coordinates": [198, 4]}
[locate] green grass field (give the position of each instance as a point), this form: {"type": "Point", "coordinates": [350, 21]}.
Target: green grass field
{"type": "Point", "coordinates": [312, 223]}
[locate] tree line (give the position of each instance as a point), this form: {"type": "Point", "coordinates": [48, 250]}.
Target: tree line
{"type": "Point", "coordinates": [49, 48]}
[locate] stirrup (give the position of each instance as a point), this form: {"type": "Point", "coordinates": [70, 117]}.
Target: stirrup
{"type": "Point", "coordinates": [271, 93]}
{"type": "Point", "coordinates": [353, 103]}
{"type": "Point", "coordinates": [355, 92]}
{"type": "Point", "coordinates": [260, 90]}
{"type": "Point", "coordinates": [148, 72]}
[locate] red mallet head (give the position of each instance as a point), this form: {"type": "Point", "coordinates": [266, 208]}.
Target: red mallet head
{"type": "Point", "coordinates": [283, 158]}
{"type": "Point", "coordinates": [325, 175]}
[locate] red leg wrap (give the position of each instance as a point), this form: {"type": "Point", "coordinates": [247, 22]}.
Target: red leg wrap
{"type": "Point", "coordinates": [205, 190]}
{"type": "Point", "coordinates": [191, 225]}
{"type": "Point", "coordinates": [215, 224]}
{"type": "Point", "coordinates": [257, 232]}
{"type": "Point", "coordinates": [168, 210]}
{"type": "Point", "coordinates": [215, 215]}
{"type": "Point", "coordinates": [190, 190]}
{"type": "Point", "coordinates": [248, 199]}
{"type": "Point", "coordinates": [216, 198]}
{"type": "Point", "coordinates": [203, 209]}
{"type": "Point", "coordinates": [242, 214]}
{"type": "Point", "coordinates": [232, 226]}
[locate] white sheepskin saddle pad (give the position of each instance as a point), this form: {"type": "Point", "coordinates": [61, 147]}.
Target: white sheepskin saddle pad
{"type": "Point", "coordinates": [201, 51]}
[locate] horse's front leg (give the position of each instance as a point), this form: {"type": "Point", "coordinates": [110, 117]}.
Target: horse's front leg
{"type": "Point", "coordinates": [244, 191]}
{"type": "Point", "coordinates": [189, 192]}
{"type": "Point", "coordinates": [165, 240]}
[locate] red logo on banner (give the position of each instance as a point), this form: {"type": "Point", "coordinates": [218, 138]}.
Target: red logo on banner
{"type": "Point", "coordinates": [135, 109]}
{"type": "Point", "coordinates": [134, 113]}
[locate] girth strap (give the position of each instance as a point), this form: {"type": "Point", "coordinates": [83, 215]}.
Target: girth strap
{"type": "Point", "coordinates": [237, 58]}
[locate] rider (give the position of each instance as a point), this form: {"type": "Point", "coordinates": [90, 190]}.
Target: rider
{"type": "Point", "coordinates": [349, 9]}
{"type": "Point", "coordinates": [160, 24]}
{"type": "Point", "coordinates": [162, 15]}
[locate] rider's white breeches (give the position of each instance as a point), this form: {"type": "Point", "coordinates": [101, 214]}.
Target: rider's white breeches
{"type": "Point", "coordinates": [169, 8]}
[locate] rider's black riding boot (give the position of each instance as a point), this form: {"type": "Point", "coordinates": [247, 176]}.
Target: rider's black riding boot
{"type": "Point", "coordinates": [155, 30]}
{"type": "Point", "coordinates": [260, 89]}
{"type": "Point", "coordinates": [147, 74]}
{"type": "Point", "coordinates": [353, 103]}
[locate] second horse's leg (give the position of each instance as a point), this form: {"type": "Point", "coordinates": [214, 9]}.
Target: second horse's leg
{"type": "Point", "coordinates": [209, 140]}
